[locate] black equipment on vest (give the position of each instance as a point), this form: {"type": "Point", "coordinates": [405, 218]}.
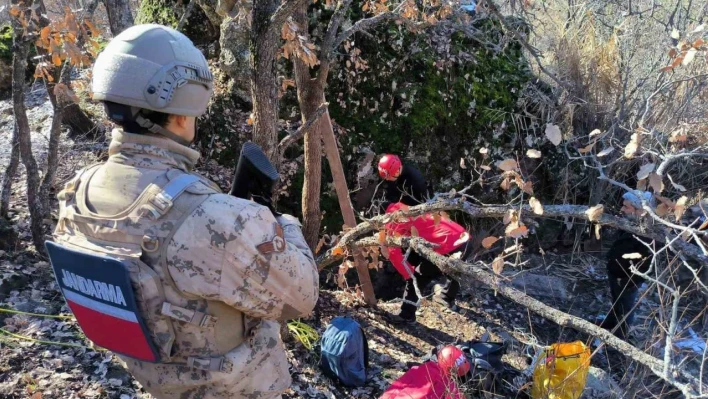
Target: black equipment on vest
{"type": "Point", "coordinates": [255, 176]}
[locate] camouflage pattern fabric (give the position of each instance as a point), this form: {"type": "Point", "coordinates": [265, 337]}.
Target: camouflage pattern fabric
{"type": "Point", "coordinates": [229, 259]}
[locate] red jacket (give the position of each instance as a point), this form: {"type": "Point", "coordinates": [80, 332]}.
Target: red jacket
{"type": "Point", "coordinates": [447, 234]}
{"type": "Point", "coordinates": [425, 381]}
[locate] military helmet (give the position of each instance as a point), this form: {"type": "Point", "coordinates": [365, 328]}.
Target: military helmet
{"type": "Point", "coordinates": [156, 68]}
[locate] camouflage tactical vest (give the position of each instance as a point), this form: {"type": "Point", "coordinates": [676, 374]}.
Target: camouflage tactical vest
{"type": "Point", "coordinates": [90, 251]}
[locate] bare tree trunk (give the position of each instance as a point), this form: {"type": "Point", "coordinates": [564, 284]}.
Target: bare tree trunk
{"type": "Point", "coordinates": [10, 174]}
{"type": "Point", "coordinates": [264, 83]}
{"type": "Point", "coordinates": [59, 104]}
{"type": "Point", "coordinates": [310, 96]}
{"type": "Point", "coordinates": [20, 46]}
{"type": "Point", "coordinates": [120, 17]}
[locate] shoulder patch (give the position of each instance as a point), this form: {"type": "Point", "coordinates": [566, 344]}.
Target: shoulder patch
{"type": "Point", "coordinates": [277, 244]}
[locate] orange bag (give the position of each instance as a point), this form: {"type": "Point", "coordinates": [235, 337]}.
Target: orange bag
{"type": "Point", "coordinates": [561, 372]}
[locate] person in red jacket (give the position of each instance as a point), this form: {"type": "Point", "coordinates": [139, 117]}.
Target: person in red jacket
{"type": "Point", "coordinates": [449, 237]}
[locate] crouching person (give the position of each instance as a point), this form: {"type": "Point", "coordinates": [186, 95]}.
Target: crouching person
{"type": "Point", "coordinates": [450, 238]}
{"type": "Point", "coordinates": [186, 284]}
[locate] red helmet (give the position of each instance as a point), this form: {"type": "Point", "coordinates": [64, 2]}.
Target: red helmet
{"type": "Point", "coordinates": [390, 167]}
{"type": "Point", "coordinates": [452, 360]}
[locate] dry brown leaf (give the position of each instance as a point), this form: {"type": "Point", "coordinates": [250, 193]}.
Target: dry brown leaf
{"type": "Point", "coordinates": [632, 146]}
{"type": "Point", "coordinates": [597, 231]}
{"type": "Point", "coordinates": [595, 132]}
{"type": "Point", "coordinates": [521, 231]}
{"type": "Point", "coordinates": [382, 237]}
{"type": "Point", "coordinates": [414, 232]}
{"type": "Point", "coordinates": [662, 210]}
{"type": "Point", "coordinates": [595, 213]}
{"type": "Point", "coordinates": [536, 206]}
{"type": "Point", "coordinates": [587, 148]}
{"type": "Point", "coordinates": [320, 243]}
{"type": "Point", "coordinates": [531, 153]}
{"type": "Point", "coordinates": [510, 216]}
{"type": "Point", "coordinates": [485, 167]}
{"type": "Point", "coordinates": [56, 59]}
{"type": "Point", "coordinates": [462, 163]}
{"type": "Point", "coordinates": [528, 188]}
{"type": "Point", "coordinates": [505, 184]}
{"type": "Point", "coordinates": [508, 165]}
{"type": "Point", "coordinates": [489, 241]}
{"type": "Point", "coordinates": [642, 185]}
{"type": "Point", "coordinates": [553, 134]}
{"type": "Point", "coordinates": [633, 255]}
{"type": "Point", "coordinates": [680, 207]}
{"type": "Point", "coordinates": [436, 218]}
{"type": "Point", "coordinates": [656, 183]}
{"type": "Point", "coordinates": [498, 265]}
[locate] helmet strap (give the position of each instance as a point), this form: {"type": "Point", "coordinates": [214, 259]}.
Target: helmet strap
{"type": "Point", "coordinates": [153, 127]}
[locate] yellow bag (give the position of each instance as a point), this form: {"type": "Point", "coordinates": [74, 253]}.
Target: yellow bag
{"type": "Point", "coordinates": [561, 372]}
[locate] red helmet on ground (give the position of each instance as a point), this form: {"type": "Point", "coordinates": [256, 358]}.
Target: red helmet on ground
{"type": "Point", "coordinates": [390, 167]}
{"type": "Point", "coordinates": [453, 361]}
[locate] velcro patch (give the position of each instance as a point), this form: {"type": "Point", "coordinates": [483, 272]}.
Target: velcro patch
{"type": "Point", "coordinates": [99, 292]}
{"type": "Point", "coordinates": [277, 244]}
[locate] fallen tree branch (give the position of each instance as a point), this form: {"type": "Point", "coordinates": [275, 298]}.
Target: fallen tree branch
{"type": "Point", "coordinates": [656, 233]}
{"type": "Point", "coordinates": [302, 130]}
{"type": "Point", "coordinates": [459, 268]}
{"type": "Point", "coordinates": [478, 272]}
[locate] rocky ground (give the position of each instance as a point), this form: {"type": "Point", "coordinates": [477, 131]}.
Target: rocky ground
{"type": "Point", "coordinates": [43, 353]}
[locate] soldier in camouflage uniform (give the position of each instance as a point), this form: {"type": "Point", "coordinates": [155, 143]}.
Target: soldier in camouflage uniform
{"type": "Point", "coordinates": [229, 270]}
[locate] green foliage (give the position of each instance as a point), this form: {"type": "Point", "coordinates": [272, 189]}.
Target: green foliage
{"type": "Point", "coordinates": [6, 44]}
{"type": "Point", "coordinates": [157, 12]}
{"type": "Point", "coordinates": [435, 94]}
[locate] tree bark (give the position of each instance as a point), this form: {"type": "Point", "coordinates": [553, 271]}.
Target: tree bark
{"type": "Point", "coordinates": [264, 83]}
{"type": "Point", "coordinates": [59, 104]}
{"type": "Point", "coordinates": [10, 173]}
{"type": "Point", "coordinates": [120, 17]}
{"type": "Point", "coordinates": [20, 46]}
{"type": "Point", "coordinates": [310, 96]}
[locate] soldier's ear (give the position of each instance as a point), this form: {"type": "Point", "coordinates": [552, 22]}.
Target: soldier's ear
{"type": "Point", "coordinates": [180, 120]}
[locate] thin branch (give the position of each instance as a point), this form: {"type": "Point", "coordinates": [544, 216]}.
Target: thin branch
{"type": "Point", "coordinates": [368, 23]}
{"type": "Point", "coordinates": [302, 130]}
{"type": "Point", "coordinates": [673, 158]}
{"type": "Point", "coordinates": [334, 23]}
